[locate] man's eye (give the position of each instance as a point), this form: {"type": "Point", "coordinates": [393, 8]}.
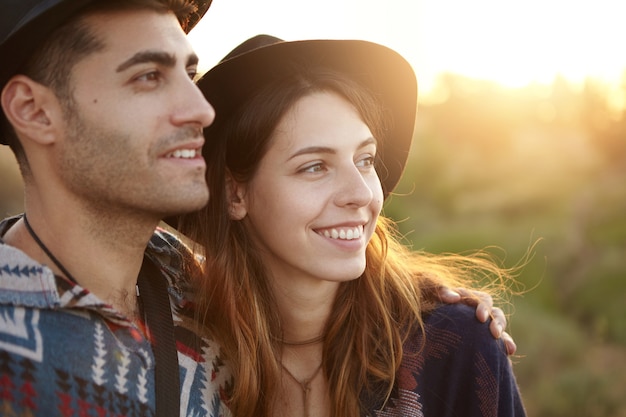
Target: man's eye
{"type": "Point", "coordinates": [149, 76]}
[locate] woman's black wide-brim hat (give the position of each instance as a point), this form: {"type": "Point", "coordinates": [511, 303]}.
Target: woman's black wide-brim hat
{"type": "Point", "coordinates": [263, 59]}
{"type": "Point", "coordinates": [25, 24]}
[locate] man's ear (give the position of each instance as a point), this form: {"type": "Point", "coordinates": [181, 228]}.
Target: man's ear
{"type": "Point", "coordinates": [31, 108]}
{"type": "Point", "coordinates": [236, 195]}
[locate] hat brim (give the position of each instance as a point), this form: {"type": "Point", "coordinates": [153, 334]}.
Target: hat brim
{"type": "Point", "coordinates": [380, 69]}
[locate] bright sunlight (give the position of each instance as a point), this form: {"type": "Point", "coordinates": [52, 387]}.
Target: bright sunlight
{"type": "Point", "coordinates": [510, 42]}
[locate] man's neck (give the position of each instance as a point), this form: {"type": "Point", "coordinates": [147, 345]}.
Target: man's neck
{"type": "Point", "coordinates": [104, 258]}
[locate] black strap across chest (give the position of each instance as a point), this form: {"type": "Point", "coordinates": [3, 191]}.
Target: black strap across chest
{"type": "Point", "coordinates": [158, 313]}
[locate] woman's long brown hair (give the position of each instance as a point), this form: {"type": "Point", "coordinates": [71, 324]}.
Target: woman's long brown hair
{"type": "Point", "coordinates": [372, 315]}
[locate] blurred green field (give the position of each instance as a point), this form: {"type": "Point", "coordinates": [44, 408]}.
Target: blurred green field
{"type": "Point", "coordinates": [541, 167]}
{"type": "Point", "coordinates": [511, 168]}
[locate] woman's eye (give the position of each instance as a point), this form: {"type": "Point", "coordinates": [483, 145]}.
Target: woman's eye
{"type": "Point", "coordinates": [366, 162]}
{"type": "Point", "coordinates": [318, 167]}
{"type": "Point", "coordinates": [193, 74]}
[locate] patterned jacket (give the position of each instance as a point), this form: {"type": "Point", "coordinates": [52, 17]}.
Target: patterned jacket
{"type": "Point", "coordinates": [457, 369]}
{"type": "Point", "coordinates": [64, 352]}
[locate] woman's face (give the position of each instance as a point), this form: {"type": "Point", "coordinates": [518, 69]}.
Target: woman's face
{"type": "Point", "coordinates": [313, 203]}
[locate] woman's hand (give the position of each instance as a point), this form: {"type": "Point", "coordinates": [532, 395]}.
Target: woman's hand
{"type": "Point", "coordinates": [484, 309]}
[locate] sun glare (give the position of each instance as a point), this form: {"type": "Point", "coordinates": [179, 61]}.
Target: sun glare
{"type": "Point", "coordinates": [509, 42]}
{"type": "Point", "coordinates": [519, 42]}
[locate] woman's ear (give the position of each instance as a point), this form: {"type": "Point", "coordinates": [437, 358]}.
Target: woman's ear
{"type": "Point", "coordinates": [236, 195]}
{"type": "Point", "coordinates": [31, 108]}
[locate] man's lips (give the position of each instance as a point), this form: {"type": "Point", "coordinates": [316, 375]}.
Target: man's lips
{"type": "Point", "coordinates": [185, 153]}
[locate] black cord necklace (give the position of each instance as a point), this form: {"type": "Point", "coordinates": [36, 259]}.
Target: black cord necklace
{"type": "Point", "coordinates": [47, 251]}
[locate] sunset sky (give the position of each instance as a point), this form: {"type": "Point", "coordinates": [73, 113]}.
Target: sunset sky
{"type": "Point", "coordinates": [511, 42]}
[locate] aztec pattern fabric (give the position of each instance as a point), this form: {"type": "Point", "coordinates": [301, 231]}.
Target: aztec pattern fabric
{"type": "Point", "coordinates": [456, 369]}
{"type": "Point", "coordinates": [64, 352]}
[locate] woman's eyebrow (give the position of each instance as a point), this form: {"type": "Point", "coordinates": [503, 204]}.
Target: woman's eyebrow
{"type": "Point", "coordinates": [327, 150]}
{"type": "Point", "coordinates": [313, 149]}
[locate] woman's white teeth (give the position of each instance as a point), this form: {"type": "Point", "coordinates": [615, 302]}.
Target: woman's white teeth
{"type": "Point", "coordinates": [183, 153]}
{"type": "Point", "coordinates": [345, 233]}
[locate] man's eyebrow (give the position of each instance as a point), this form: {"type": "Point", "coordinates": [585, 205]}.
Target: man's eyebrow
{"type": "Point", "coordinates": [327, 150]}
{"type": "Point", "coordinates": [161, 58]}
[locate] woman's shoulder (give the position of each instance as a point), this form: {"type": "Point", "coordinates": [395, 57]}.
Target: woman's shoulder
{"type": "Point", "coordinates": [454, 365]}
{"type": "Point", "coordinates": [453, 329]}
{"type": "Point", "coordinates": [453, 317]}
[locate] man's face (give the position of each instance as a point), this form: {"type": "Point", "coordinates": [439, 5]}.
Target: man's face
{"type": "Point", "coordinates": [134, 125]}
